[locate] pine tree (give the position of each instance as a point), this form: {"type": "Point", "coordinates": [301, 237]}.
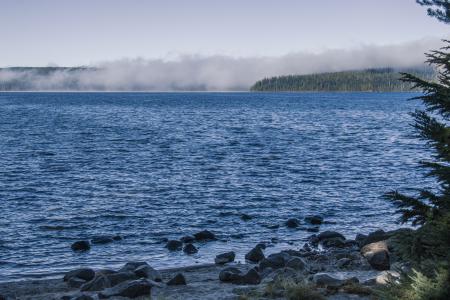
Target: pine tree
{"type": "Point", "coordinates": [433, 125]}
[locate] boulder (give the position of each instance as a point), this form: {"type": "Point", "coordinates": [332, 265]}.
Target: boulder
{"type": "Point", "coordinates": [174, 245]}
{"type": "Point", "coordinates": [292, 223]}
{"type": "Point", "coordinates": [177, 280]}
{"type": "Point", "coordinates": [85, 274]}
{"type": "Point", "coordinates": [275, 261]}
{"type": "Point", "coordinates": [386, 277]}
{"type": "Point", "coordinates": [335, 242]}
{"type": "Point", "coordinates": [377, 254]}
{"type": "Point", "coordinates": [119, 277]}
{"type": "Point", "coordinates": [190, 249]}
{"type": "Point", "coordinates": [204, 235]}
{"type": "Point", "coordinates": [75, 282]}
{"type": "Point", "coordinates": [261, 245]}
{"type": "Point", "coordinates": [255, 255]}
{"type": "Point", "coordinates": [81, 246]}
{"type": "Point", "coordinates": [315, 220]}
{"type": "Point", "coordinates": [225, 258]}
{"type": "Point", "coordinates": [329, 235]}
{"type": "Point", "coordinates": [187, 239]}
{"type": "Point", "coordinates": [130, 266]}
{"type": "Point", "coordinates": [343, 262]}
{"type": "Point", "coordinates": [145, 271]}
{"type": "Point", "coordinates": [296, 263]}
{"type": "Point", "coordinates": [376, 236]}
{"type": "Point", "coordinates": [102, 240]}
{"type": "Point", "coordinates": [325, 280]}
{"type": "Point", "coordinates": [100, 282]}
{"type": "Point", "coordinates": [129, 289]}
{"type": "Point", "coordinates": [251, 277]}
{"type": "Point", "coordinates": [117, 238]}
{"type": "Point", "coordinates": [230, 274]}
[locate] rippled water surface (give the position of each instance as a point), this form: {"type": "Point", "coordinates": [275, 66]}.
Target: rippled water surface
{"type": "Point", "coordinates": [162, 165]}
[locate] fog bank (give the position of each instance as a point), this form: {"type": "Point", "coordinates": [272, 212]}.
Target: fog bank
{"type": "Point", "coordinates": [213, 73]}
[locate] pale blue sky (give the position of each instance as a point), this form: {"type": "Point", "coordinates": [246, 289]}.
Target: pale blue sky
{"type": "Point", "coordinates": [80, 32]}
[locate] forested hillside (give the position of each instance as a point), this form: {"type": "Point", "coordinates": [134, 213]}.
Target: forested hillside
{"type": "Point", "coordinates": [370, 80]}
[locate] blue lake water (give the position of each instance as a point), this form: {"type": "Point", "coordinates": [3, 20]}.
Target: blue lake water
{"type": "Point", "coordinates": [150, 166]}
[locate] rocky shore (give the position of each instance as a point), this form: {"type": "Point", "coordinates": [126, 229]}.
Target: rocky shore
{"type": "Point", "coordinates": [328, 266]}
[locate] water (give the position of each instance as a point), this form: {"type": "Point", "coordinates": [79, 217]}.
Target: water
{"type": "Point", "coordinates": [150, 166]}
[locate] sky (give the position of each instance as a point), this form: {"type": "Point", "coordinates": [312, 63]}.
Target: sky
{"type": "Point", "coordinates": [88, 32]}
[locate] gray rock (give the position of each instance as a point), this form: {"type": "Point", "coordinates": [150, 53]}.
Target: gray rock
{"type": "Point", "coordinates": [325, 280]}
{"type": "Point", "coordinates": [85, 274]}
{"type": "Point", "coordinates": [386, 277]}
{"type": "Point", "coordinates": [82, 297]}
{"type": "Point", "coordinates": [75, 282]}
{"type": "Point", "coordinates": [261, 245]}
{"type": "Point", "coordinates": [119, 277]}
{"type": "Point", "coordinates": [292, 223]}
{"type": "Point", "coordinates": [230, 274]}
{"type": "Point", "coordinates": [145, 271]}
{"type": "Point", "coordinates": [252, 277]}
{"type": "Point", "coordinates": [205, 235]}
{"type": "Point", "coordinates": [174, 245]}
{"type": "Point", "coordinates": [255, 255]}
{"type": "Point", "coordinates": [177, 280]}
{"type": "Point", "coordinates": [100, 282]}
{"type": "Point", "coordinates": [315, 220]}
{"type": "Point", "coordinates": [225, 258]}
{"type": "Point", "coordinates": [343, 262]}
{"type": "Point", "coordinates": [129, 289]}
{"type": "Point", "coordinates": [377, 254]}
{"type": "Point", "coordinates": [190, 249]}
{"type": "Point", "coordinates": [81, 246]}
{"type": "Point", "coordinates": [131, 266]}
{"type": "Point", "coordinates": [272, 262]}
{"type": "Point", "coordinates": [329, 235]}
{"type": "Point", "coordinates": [187, 239]}
{"type": "Point", "coordinates": [376, 236]}
{"type": "Point", "coordinates": [296, 263]}
{"type": "Point", "coordinates": [335, 242]}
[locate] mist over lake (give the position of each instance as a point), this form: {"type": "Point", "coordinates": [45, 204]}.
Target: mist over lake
{"type": "Point", "coordinates": [156, 166]}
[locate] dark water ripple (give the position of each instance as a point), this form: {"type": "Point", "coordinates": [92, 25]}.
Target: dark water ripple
{"type": "Point", "coordinates": [155, 166]}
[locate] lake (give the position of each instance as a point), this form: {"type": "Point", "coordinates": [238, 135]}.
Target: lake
{"type": "Point", "coordinates": [152, 166]}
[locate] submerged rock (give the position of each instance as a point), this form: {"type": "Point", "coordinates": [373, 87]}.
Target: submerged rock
{"type": "Point", "coordinates": [174, 245]}
{"type": "Point", "coordinates": [177, 280]}
{"type": "Point", "coordinates": [255, 255]}
{"type": "Point", "coordinates": [205, 235]}
{"type": "Point", "coordinates": [129, 289]}
{"type": "Point", "coordinates": [102, 240]}
{"type": "Point", "coordinates": [315, 220]}
{"type": "Point", "coordinates": [292, 223]}
{"type": "Point", "coordinates": [225, 258]}
{"type": "Point", "coordinates": [187, 239]}
{"type": "Point", "coordinates": [329, 235]}
{"type": "Point", "coordinates": [81, 246]}
{"type": "Point", "coordinates": [190, 249]}
{"type": "Point", "coordinates": [245, 217]}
